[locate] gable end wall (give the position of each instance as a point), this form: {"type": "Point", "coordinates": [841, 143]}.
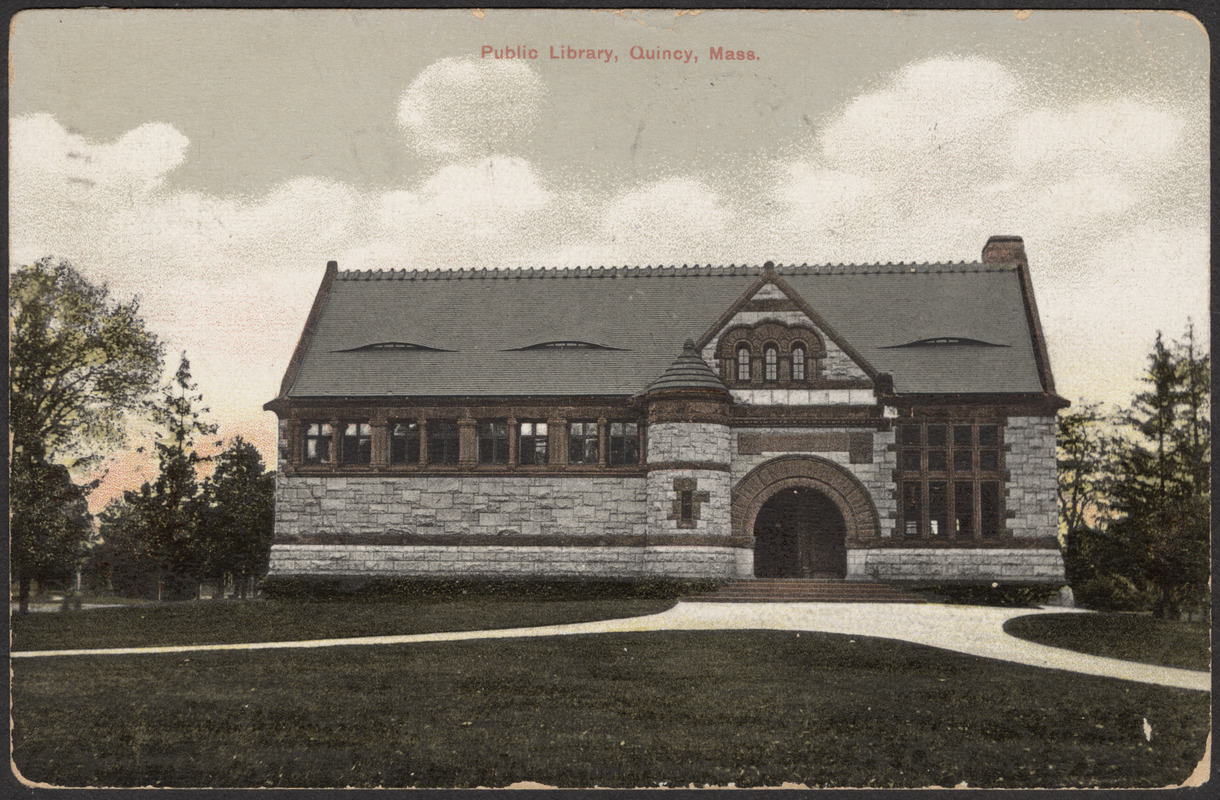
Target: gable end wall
{"type": "Point", "coordinates": [835, 365]}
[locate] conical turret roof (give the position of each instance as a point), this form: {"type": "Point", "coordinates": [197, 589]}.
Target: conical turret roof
{"type": "Point", "coordinates": [689, 371]}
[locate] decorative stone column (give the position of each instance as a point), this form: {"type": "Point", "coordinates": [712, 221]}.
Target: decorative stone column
{"type": "Point", "coordinates": [557, 441]}
{"type": "Point", "coordinates": [380, 443]}
{"type": "Point", "coordinates": [468, 442]}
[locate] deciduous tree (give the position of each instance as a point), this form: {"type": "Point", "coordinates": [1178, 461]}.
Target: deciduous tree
{"type": "Point", "coordinates": [50, 524]}
{"type": "Point", "coordinates": [1085, 467]}
{"type": "Point", "coordinates": [78, 363]}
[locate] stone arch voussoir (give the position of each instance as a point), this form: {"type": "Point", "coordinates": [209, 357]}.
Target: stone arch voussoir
{"type": "Point", "coordinates": [827, 477]}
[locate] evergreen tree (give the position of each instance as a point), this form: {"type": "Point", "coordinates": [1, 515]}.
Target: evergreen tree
{"type": "Point", "coordinates": [122, 563]}
{"type": "Point", "coordinates": [238, 518]}
{"type": "Point", "coordinates": [1163, 489]}
{"type": "Point", "coordinates": [168, 510]}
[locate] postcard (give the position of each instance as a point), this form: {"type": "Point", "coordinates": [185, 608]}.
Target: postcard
{"type": "Point", "coordinates": [633, 399]}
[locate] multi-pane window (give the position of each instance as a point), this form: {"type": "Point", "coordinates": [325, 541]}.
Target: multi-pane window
{"type": "Point", "coordinates": [951, 484]}
{"type": "Point", "coordinates": [582, 443]}
{"type": "Point", "coordinates": [798, 362]}
{"type": "Point", "coordinates": [624, 443]}
{"type": "Point", "coordinates": [357, 443]}
{"type": "Point", "coordinates": [532, 443]}
{"type": "Point", "coordinates": [493, 442]}
{"type": "Point", "coordinates": [770, 363]}
{"type": "Point", "coordinates": [315, 443]}
{"type": "Point", "coordinates": [743, 362]}
{"type": "Point", "coordinates": [404, 443]}
{"type": "Point", "coordinates": [442, 441]}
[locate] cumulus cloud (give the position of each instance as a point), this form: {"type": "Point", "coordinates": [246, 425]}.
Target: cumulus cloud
{"type": "Point", "coordinates": [1123, 135]}
{"type": "Point", "coordinates": [467, 107]}
{"type": "Point", "coordinates": [924, 166]}
{"type": "Point", "coordinates": [138, 160]}
{"type": "Point", "coordinates": [677, 209]}
{"type": "Point", "coordinates": [950, 150]}
{"type": "Point", "coordinates": [938, 109]}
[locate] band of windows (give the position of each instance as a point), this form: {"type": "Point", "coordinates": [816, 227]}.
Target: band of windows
{"type": "Point", "coordinates": [951, 481]}
{"type": "Point", "coordinates": [439, 442]}
{"type": "Point", "coordinates": [769, 352]}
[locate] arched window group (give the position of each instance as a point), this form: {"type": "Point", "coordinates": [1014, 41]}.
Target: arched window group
{"type": "Point", "coordinates": [770, 353]}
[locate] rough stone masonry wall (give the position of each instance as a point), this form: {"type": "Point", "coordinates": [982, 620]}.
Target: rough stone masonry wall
{"type": "Point", "coordinates": [1030, 461]}
{"type": "Point", "coordinates": [932, 565]}
{"type": "Point", "coordinates": [877, 477]}
{"type": "Point", "coordinates": [505, 562]}
{"type": "Point", "coordinates": [529, 505]}
{"type": "Point", "coordinates": [713, 514]}
{"type": "Point", "coordinates": [687, 441]}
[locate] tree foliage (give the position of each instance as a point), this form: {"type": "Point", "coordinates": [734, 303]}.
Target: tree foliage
{"type": "Point", "coordinates": [50, 524]}
{"type": "Point", "coordinates": [1085, 468]}
{"type": "Point", "coordinates": [237, 519]}
{"type": "Point", "coordinates": [1154, 478]}
{"type": "Point", "coordinates": [78, 361]}
{"type": "Point", "coordinates": [154, 530]}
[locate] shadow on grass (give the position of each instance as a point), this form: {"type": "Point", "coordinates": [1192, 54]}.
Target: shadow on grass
{"type": "Point", "coordinates": [209, 622]}
{"type": "Point", "coordinates": [618, 710]}
{"type": "Point", "coordinates": [1134, 637]}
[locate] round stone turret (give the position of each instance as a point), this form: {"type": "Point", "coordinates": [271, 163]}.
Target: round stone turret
{"type": "Point", "coordinates": [688, 487]}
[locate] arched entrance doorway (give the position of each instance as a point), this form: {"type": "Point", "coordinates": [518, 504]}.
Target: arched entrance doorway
{"type": "Point", "coordinates": [800, 533]}
{"type": "Point", "coordinates": [825, 483]}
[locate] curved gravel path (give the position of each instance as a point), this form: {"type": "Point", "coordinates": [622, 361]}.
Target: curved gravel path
{"type": "Point", "coordinates": [973, 630]}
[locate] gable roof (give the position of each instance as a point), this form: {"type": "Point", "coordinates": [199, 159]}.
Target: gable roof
{"type": "Point", "coordinates": [468, 328]}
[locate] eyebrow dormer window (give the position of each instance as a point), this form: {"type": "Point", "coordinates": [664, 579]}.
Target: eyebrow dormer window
{"type": "Point", "coordinates": [798, 362]}
{"type": "Point", "coordinates": [381, 346]}
{"type": "Point", "coordinates": [566, 344]}
{"type": "Point", "coordinates": [743, 362]}
{"type": "Point", "coordinates": [770, 363]}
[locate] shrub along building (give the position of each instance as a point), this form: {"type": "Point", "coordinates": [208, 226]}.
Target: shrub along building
{"type": "Point", "coordinates": [889, 422]}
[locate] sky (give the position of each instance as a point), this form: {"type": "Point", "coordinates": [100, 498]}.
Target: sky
{"type": "Point", "coordinates": [211, 162]}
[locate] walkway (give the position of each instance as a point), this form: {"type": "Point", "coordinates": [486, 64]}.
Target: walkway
{"type": "Point", "coordinates": [973, 630]}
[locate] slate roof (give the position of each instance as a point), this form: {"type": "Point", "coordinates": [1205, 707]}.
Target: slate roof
{"type": "Point", "coordinates": [689, 371]}
{"type": "Point", "coordinates": [476, 322]}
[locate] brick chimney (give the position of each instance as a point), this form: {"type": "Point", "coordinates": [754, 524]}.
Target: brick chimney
{"type": "Point", "coordinates": [1005, 250]}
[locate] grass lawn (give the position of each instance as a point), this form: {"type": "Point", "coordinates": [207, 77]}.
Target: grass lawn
{"type": "Point", "coordinates": [288, 620]}
{"type": "Point", "coordinates": [1133, 637]}
{"type": "Point", "coordinates": [620, 710]}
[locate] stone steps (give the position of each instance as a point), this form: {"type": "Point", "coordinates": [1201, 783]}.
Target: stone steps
{"type": "Point", "coordinates": [806, 590]}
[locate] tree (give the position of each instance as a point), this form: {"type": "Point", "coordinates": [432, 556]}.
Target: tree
{"type": "Point", "coordinates": [1085, 468]}
{"type": "Point", "coordinates": [175, 494]}
{"type": "Point", "coordinates": [164, 515]}
{"type": "Point", "coordinates": [50, 523]}
{"type": "Point", "coordinates": [1164, 463]}
{"type": "Point", "coordinates": [238, 518]}
{"type": "Point", "coordinates": [78, 362]}
{"type": "Point", "coordinates": [121, 563]}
